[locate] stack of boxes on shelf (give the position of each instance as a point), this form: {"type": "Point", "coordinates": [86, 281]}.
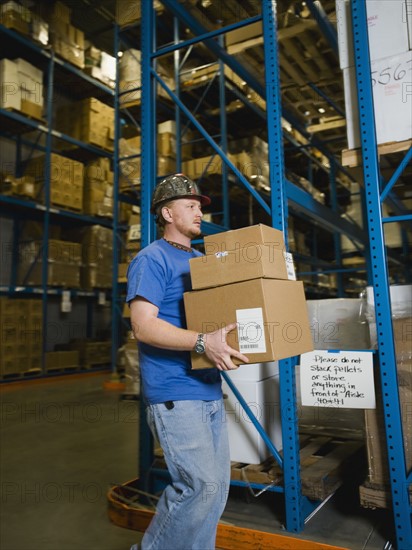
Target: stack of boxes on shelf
{"type": "Point", "coordinates": [18, 17]}
{"type": "Point", "coordinates": [66, 40]}
{"type": "Point", "coordinates": [22, 187]}
{"type": "Point", "coordinates": [129, 78]}
{"type": "Point", "coordinates": [128, 13]}
{"type": "Point", "coordinates": [88, 120]}
{"type": "Point", "coordinates": [247, 277]}
{"type": "Point", "coordinates": [93, 352]}
{"type": "Point", "coordinates": [375, 492]}
{"type": "Point", "coordinates": [21, 87]}
{"type": "Point", "coordinates": [62, 360]}
{"type": "Point", "coordinates": [66, 180]}
{"type": "Point", "coordinates": [97, 265]}
{"type": "Point", "coordinates": [98, 188]}
{"type": "Point", "coordinates": [22, 335]}
{"type": "Point", "coordinates": [63, 263]}
{"type": "Point", "coordinates": [100, 65]}
{"type": "Point", "coordinates": [390, 45]}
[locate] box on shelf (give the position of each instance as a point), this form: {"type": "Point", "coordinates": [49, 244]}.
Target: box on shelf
{"type": "Point", "coordinates": [387, 29]}
{"type": "Point", "coordinates": [251, 262]}
{"type": "Point", "coordinates": [245, 442]}
{"type": "Point", "coordinates": [63, 263]}
{"type": "Point", "coordinates": [21, 87]}
{"type": "Point", "coordinates": [128, 12]}
{"type": "Point", "coordinates": [14, 15]}
{"type": "Point", "coordinates": [66, 180]}
{"type": "Point", "coordinates": [271, 313]}
{"type": "Point", "coordinates": [391, 98]}
{"type": "Point", "coordinates": [88, 120]}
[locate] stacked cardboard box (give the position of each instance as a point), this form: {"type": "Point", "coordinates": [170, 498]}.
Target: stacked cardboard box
{"type": "Point", "coordinates": [66, 40]}
{"type": "Point", "coordinates": [390, 45]}
{"type": "Point", "coordinates": [100, 65]}
{"type": "Point", "coordinates": [24, 186]}
{"type": "Point", "coordinates": [21, 323]}
{"type": "Point", "coordinates": [247, 277]}
{"type": "Point", "coordinates": [130, 77]}
{"type": "Point", "coordinates": [66, 180]}
{"type": "Point", "coordinates": [61, 360]}
{"type": "Point", "coordinates": [375, 492]}
{"type": "Point", "coordinates": [92, 352]}
{"type": "Point", "coordinates": [98, 188]}
{"type": "Point", "coordinates": [133, 237]}
{"type": "Point", "coordinates": [18, 17]}
{"type": "Point", "coordinates": [97, 255]}
{"type": "Point", "coordinates": [88, 120]}
{"type": "Point", "coordinates": [129, 12]}
{"type": "Point", "coordinates": [21, 87]}
{"type": "Point", "coordinates": [63, 263]}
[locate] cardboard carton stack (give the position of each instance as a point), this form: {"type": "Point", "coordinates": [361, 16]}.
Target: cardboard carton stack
{"type": "Point", "coordinates": [62, 360]}
{"type": "Point", "coordinates": [63, 263]}
{"type": "Point", "coordinates": [88, 120]}
{"type": "Point", "coordinates": [23, 187]}
{"type": "Point", "coordinates": [390, 45]}
{"type": "Point", "coordinates": [98, 188]}
{"type": "Point", "coordinates": [66, 180]}
{"type": "Point", "coordinates": [21, 87]}
{"type": "Point", "coordinates": [246, 277]}
{"type": "Point", "coordinates": [18, 17]}
{"type": "Point", "coordinates": [22, 335]}
{"type": "Point", "coordinates": [66, 40]}
{"type": "Point", "coordinates": [92, 352]}
{"type": "Point", "coordinates": [129, 12]}
{"type": "Point", "coordinates": [375, 492]}
{"type": "Point", "coordinates": [97, 253]}
{"type": "Point", "coordinates": [100, 65]}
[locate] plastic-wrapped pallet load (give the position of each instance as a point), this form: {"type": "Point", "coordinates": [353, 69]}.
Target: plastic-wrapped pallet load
{"type": "Point", "coordinates": [375, 491]}
{"type": "Point", "coordinates": [336, 324]}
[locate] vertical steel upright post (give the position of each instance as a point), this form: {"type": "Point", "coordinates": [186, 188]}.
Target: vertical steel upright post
{"type": "Point", "coordinates": [115, 239]}
{"type": "Point", "coordinates": [386, 350]}
{"type": "Point", "coordinates": [223, 138]}
{"type": "Point", "coordinates": [47, 186]}
{"type": "Point", "coordinates": [147, 184]}
{"type": "Point", "coordinates": [291, 470]}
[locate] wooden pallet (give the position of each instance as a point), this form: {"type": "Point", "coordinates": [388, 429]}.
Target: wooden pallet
{"type": "Point", "coordinates": [323, 462]}
{"type": "Point", "coordinates": [126, 510]}
{"type": "Point", "coordinates": [353, 157]}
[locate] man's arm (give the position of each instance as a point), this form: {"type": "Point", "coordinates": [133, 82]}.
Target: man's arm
{"type": "Point", "coordinates": [148, 328]}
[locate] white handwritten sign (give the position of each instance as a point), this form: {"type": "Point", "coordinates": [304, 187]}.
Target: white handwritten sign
{"type": "Point", "coordinates": [337, 379]}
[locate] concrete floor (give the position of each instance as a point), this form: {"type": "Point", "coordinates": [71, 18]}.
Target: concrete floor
{"type": "Point", "coordinates": [64, 441]}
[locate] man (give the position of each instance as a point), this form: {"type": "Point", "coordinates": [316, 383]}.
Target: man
{"type": "Point", "coordinates": [184, 407]}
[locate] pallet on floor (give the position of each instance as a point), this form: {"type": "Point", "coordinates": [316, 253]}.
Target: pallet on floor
{"type": "Point", "coordinates": [323, 462]}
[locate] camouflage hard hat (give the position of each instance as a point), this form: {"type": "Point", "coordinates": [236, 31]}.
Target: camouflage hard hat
{"type": "Point", "coordinates": [176, 186]}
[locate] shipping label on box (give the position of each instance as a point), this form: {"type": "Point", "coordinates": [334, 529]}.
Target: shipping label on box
{"type": "Point", "coordinates": [273, 318]}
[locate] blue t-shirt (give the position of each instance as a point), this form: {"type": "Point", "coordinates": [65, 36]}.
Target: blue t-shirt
{"type": "Point", "coordinates": [160, 274]}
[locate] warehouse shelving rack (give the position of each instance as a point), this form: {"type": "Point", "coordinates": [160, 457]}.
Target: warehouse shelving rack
{"type": "Point", "coordinates": [400, 478]}
{"type": "Point", "coordinates": [58, 72]}
{"type": "Point", "coordinates": [284, 195]}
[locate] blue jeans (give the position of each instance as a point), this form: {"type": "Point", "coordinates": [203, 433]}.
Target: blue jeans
{"type": "Point", "coordinates": [193, 435]}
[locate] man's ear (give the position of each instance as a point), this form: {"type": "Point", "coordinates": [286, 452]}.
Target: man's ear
{"type": "Point", "coordinates": [166, 213]}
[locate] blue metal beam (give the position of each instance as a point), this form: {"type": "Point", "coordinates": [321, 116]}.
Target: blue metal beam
{"type": "Point", "coordinates": [325, 25]}
{"type": "Point", "coordinates": [380, 280]}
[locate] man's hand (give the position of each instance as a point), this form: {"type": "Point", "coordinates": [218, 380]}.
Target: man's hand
{"type": "Point", "coordinates": [219, 352]}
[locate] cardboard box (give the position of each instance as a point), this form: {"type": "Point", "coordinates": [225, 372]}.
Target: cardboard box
{"type": "Point", "coordinates": [252, 262]}
{"type": "Point", "coordinates": [245, 442]}
{"type": "Point", "coordinates": [272, 317]}
{"type": "Point", "coordinates": [391, 97]}
{"type": "Point", "coordinates": [387, 29]}
{"type": "Point", "coordinates": [244, 237]}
